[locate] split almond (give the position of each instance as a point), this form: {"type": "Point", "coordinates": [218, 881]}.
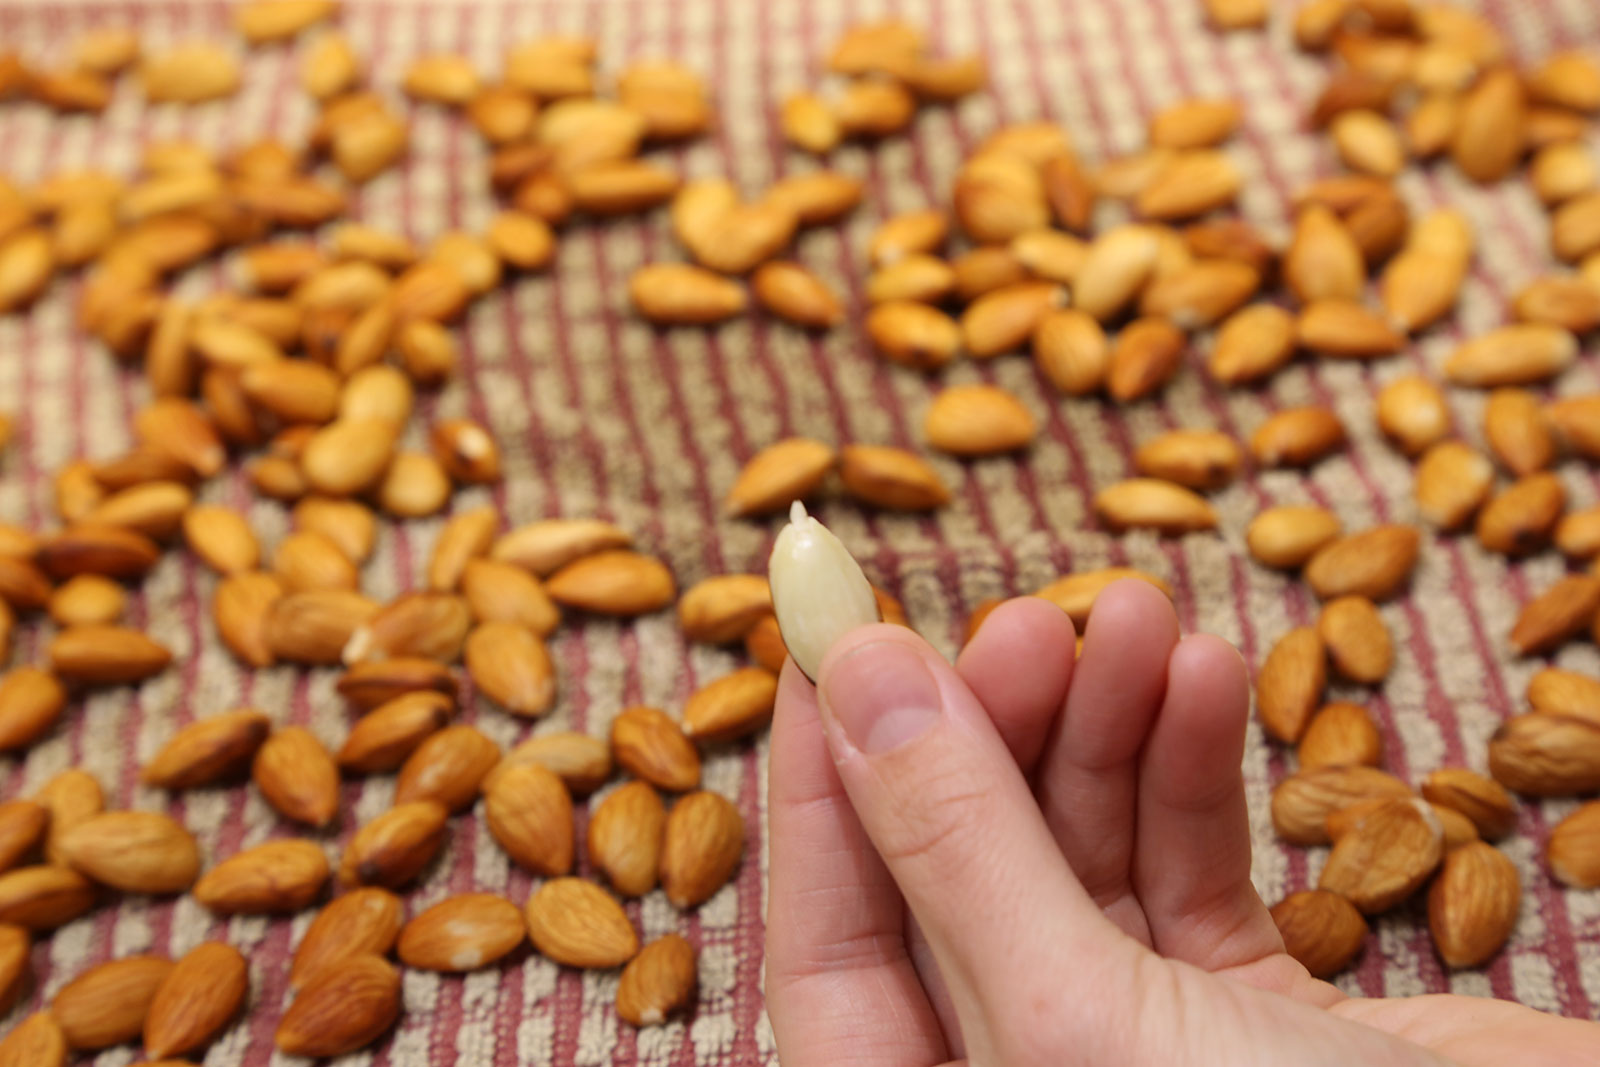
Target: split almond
{"type": "Point", "coordinates": [1521, 354]}
{"type": "Point", "coordinates": [625, 836]}
{"type": "Point", "coordinates": [279, 877]}
{"type": "Point", "coordinates": [1386, 856]}
{"type": "Point", "coordinates": [1297, 437]}
{"type": "Point", "coordinates": [978, 420]}
{"type": "Point", "coordinates": [385, 736]}
{"type": "Point", "coordinates": [1473, 904]}
{"type": "Point", "coordinates": [1357, 641]}
{"type": "Point", "coordinates": [1562, 611]}
{"type": "Point", "coordinates": [578, 924]}
{"type": "Point", "coordinates": [1482, 800]}
{"type": "Point", "coordinates": [135, 851]}
{"type": "Point", "coordinates": [719, 610]}
{"type": "Point", "coordinates": [1374, 563]}
{"type": "Point", "coordinates": [1546, 755]}
{"type": "Point", "coordinates": [512, 667]}
{"type": "Point", "coordinates": [208, 750]}
{"type": "Point", "coordinates": [1452, 482]}
{"type": "Point", "coordinates": [392, 849]}
{"type": "Point", "coordinates": [529, 812]}
{"type": "Point", "coordinates": [649, 745]}
{"type": "Point", "coordinates": [342, 1007]}
{"type": "Point", "coordinates": [462, 933]}
{"type": "Point", "coordinates": [1148, 503]}
{"type": "Point", "coordinates": [1340, 735]}
{"type": "Point", "coordinates": [1412, 413]}
{"type": "Point", "coordinates": [358, 922]}
{"type": "Point", "coordinates": [448, 768]}
{"type": "Point", "coordinates": [106, 1005]}
{"type": "Point", "coordinates": [1252, 344]}
{"type": "Point", "coordinates": [615, 582]}
{"type": "Point", "coordinates": [1519, 519]}
{"type": "Point", "coordinates": [297, 776]}
{"type": "Point", "coordinates": [1290, 683]}
{"type": "Point", "coordinates": [1199, 459]}
{"type": "Point", "coordinates": [1321, 930]}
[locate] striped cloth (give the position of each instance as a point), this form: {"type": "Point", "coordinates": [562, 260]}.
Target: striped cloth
{"type": "Point", "coordinates": [600, 415]}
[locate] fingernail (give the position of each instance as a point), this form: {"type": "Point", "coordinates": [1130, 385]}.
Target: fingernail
{"type": "Point", "coordinates": [882, 696]}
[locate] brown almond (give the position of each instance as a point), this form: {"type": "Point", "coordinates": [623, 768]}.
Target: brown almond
{"type": "Point", "coordinates": [441, 79]}
{"type": "Point", "coordinates": [917, 278]}
{"type": "Point", "coordinates": [222, 538]}
{"type": "Point", "coordinates": [44, 897]}
{"type": "Point", "coordinates": [730, 707]}
{"type": "Point", "coordinates": [796, 295]}
{"type": "Point", "coordinates": [1519, 519]}
{"type": "Point", "coordinates": [818, 197]}
{"type": "Point", "coordinates": [297, 776]}
{"type": "Point", "coordinates": [465, 537]}
{"type": "Point", "coordinates": [1412, 413]}
{"type": "Point", "coordinates": [267, 21]}
{"type": "Point", "coordinates": [1323, 261]}
{"type": "Point", "coordinates": [998, 195]}
{"type": "Point", "coordinates": [1517, 432]}
{"type": "Point", "coordinates": [578, 924]}
{"type": "Point", "coordinates": [315, 626]}
{"type": "Point", "coordinates": [23, 585]}
{"type": "Point", "coordinates": [1357, 641]}
{"type": "Point", "coordinates": [1374, 563]}
{"type": "Point", "coordinates": [1198, 122]}
{"type": "Point", "coordinates": [625, 837]}
{"type": "Point", "coordinates": [1452, 482]}
{"type": "Point", "coordinates": [1560, 172]}
{"type": "Point", "coordinates": [522, 241]}
{"type": "Point", "coordinates": [1200, 294]}
{"type": "Point", "coordinates": [1252, 344]}
{"type": "Point", "coordinates": [1144, 357]}
{"type": "Point", "coordinates": [985, 269]}
{"type": "Point", "coordinates": [153, 509]}
{"type": "Point", "coordinates": [1147, 503]}
{"type": "Point", "coordinates": [504, 592]}
{"type": "Point", "coordinates": [657, 982]}
{"type": "Point", "coordinates": [360, 921]}
{"type": "Point", "coordinates": [1194, 183]}
{"type": "Point", "coordinates": [701, 846]}
{"type": "Point", "coordinates": [1486, 145]}
{"type": "Point", "coordinates": [36, 1041]}
{"type": "Point", "coordinates": [908, 234]}
{"type": "Point", "coordinates": [1546, 755]}
{"type": "Point", "coordinates": [393, 848]}
{"type": "Point", "coordinates": [1521, 354]}
{"type": "Point", "coordinates": [529, 812]}
{"type": "Point", "coordinates": [913, 335]}
{"type": "Point", "coordinates": [106, 655]}
{"type": "Point", "coordinates": [1418, 288]}
{"type": "Point", "coordinates": [1344, 329]}
{"type": "Point", "coordinates": [342, 1007]}
{"type": "Point", "coordinates": [87, 548]}
{"type": "Point", "coordinates": [1473, 904]}
{"type": "Point", "coordinates": [511, 665]}
{"type": "Point", "coordinates": [1290, 684]}
{"type": "Point", "coordinates": [462, 933]}
{"type": "Point", "coordinates": [306, 561]}
{"type": "Point", "coordinates": [1563, 692]}
{"type": "Point", "coordinates": [1577, 422]}
{"type": "Point", "coordinates": [1562, 611]}
{"type": "Point", "coordinates": [31, 701]}
{"type": "Point", "coordinates": [978, 420]}
{"type": "Point", "coordinates": [1119, 263]}
{"type": "Point", "coordinates": [650, 745]}
{"type": "Point", "coordinates": [1482, 800]}
{"type": "Point", "coordinates": [369, 685]}
{"type": "Point", "coordinates": [1568, 79]}
{"type": "Point", "coordinates": [425, 625]}
{"type": "Point", "coordinates": [1340, 734]}
{"type": "Point", "coordinates": [348, 524]}
{"type": "Point", "coordinates": [208, 750]}
{"type": "Point", "coordinates": [809, 124]}
{"type": "Point", "coordinates": [71, 797]}
{"type": "Point", "coordinates": [240, 608]}
{"type": "Point", "coordinates": [1199, 459]}
{"type": "Point", "coordinates": [385, 736]}
{"type": "Point", "coordinates": [1571, 303]}
{"type": "Point", "coordinates": [583, 763]}
{"type": "Point", "coordinates": [891, 478]}
{"type": "Point", "coordinates": [448, 767]}
{"type": "Point", "coordinates": [348, 455]}
{"type": "Point", "coordinates": [546, 546]}
{"type": "Point", "coordinates": [106, 1005]}
{"type": "Point", "coordinates": [293, 390]}
{"type": "Point", "coordinates": [614, 582]}
{"type": "Point", "coordinates": [1297, 437]}
{"type": "Point", "coordinates": [1431, 125]}
{"type": "Point", "coordinates": [22, 827]}
{"type": "Point", "coordinates": [1005, 318]}
{"type": "Point", "coordinates": [1573, 851]}
{"type": "Point", "coordinates": [719, 610]}
{"type": "Point", "coordinates": [135, 851]}
{"type": "Point", "coordinates": [1321, 930]}
{"type": "Point", "coordinates": [1071, 350]}
{"type": "Point", "coordinates": [278, 877]}
{"type": "Point", "coordinates": [1075, 594]}
{"type": "Point", "coordinates": [1368, 142]}
{"type": "Point", "coordinates": [1385, 857]}
{"type": "Point", "coordinates": [621, 187]}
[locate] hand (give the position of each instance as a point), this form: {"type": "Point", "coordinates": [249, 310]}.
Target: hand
{"type": "Point", "coordinates": [1027, 860]}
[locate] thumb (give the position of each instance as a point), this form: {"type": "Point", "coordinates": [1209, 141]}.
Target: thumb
{"type": "Point", "coordinates": [944, 803]}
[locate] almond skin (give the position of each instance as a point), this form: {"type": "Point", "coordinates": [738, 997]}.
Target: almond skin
{"type": "Point", "coordinates": [278, 877]}
{"type": "Point", "coordinates": [1473, 904]}
{"type": "Point", "coordinates": [392, 849]}
{"type": "Point", "coordinates": [1290, 683]}
{"type": "Point", "coordinates": [658, 981]}
{"type": "Point", "coordinates": [1564, 610]}
{"type": "Point", "coordinates": [1573, 850]}
{"type": "Point", "coordinates": [1302, 802]}
{"type": "Point", "coordinates": [447, 768]}
{"type": "Point", "coordinates": [1340, 735]}
{"type": "Point", "coordinates": [1546, 755]}
{"type": "Point", "coordinates": [208, 750]}
{"type": "Point", "coordinates": [1322, 930]}
{"type": "Point", "coordinates": [512, 667]}
{"type": "Point", "coordinates": [365, 920]}
{"type": "Point", "coordinates": [1357, 640]}
{"type": "Point", "coordinates": [701, 847]}
{"type": "Point", "coordinates": [650, 745]}
{"type": "Point", "coordinates": [578, 924]}
{"type": "Point", "coordinates": [135, 851]}
{"type": "Point", "coordinates": [625, 837]}
{"type": "Point", "coordinates": [616, 582]}
{"type": "Point", "coordinates": [529, 812]}
{"type": "Point", "coordinates": [1374, 563]}
{"type": "Point", "coordinates": [106, 1005]}
{"type": "Point", "coordinates": [297, 776]}
{"type": "Point", "coordinates": [44, 897]}
{"type": "Point", "coordinates": [462, 933]}
{"type": "Point", "coordinates": [385, 736]}
{"type": "Point", "coordinates": [345, 1005]}
{"type": "Point", "coordinates": [196, 1000]}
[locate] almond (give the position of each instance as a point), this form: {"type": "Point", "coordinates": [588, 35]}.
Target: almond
{"type": "Point", "coordinates": [1297, 437]}
{"type": "Point", "coordinates": [523, 241]}
{"type": "Point", "coordinates": [908, 234]}
{"type": "Point", "coordinates": [23, 585]}
{"type": "Point", "coordinates": [1419, 288]}
{"type": "Point", "coordinates": [511, 665]}
{"type": "Point", "coordinates": [1367, 142]}
{"type": "Point", "coordinates": [369, 685]}
{"type": "Point", "coordinates": [315, 626]}
{"type": "Point", "coordinates": [1357, 641]}
{"type": "Point", "coordinates": [31, 701]}
{"type": "Point", "coordinates": [1486, 145]}
{"type": "Point", "coordinates": [505, 593]}
{"type": "Point", "coordinates": [448, 767]}
{"type": "Point", "coordinates": [71, 797]}
{"type": "Point", "coordinates": [869, 108]}
{"type": "Point", "coordinates": [297, 777]}
{"type": "Point", "coordinates": [1071, 350]}
{"type": "Point", "coordinates": [1003, 319]}
{"type": "Point", "coordinates": [462, 933]}
{"type": "Point", "coordinates": [796, 295]}
{"type": "Point", "coordinates": [360, 921]}
{"type": "Point", "coordinates": [240, 608]}
{"type": "Point", "coordinates": [917, 279]}
{"type": "Point", "coordinates": [36, 1041]}
{"type": "Point", "coordinates": [1559, 613]}
{"type": "Point", "coordinates": [978, 420]}
{"type": "Point", "coordinates": [1452, 482]}
{"type": "Point", "coordinates": [425, 625]}
{"type": "Point", "coordinates": [1560, 172]}
{"type": "Point", "coordinates": [1302, 802]}
{"type": "Point", "coordinates": [1290, 683]}
{"type": "Point", "coordinates": [1200, 294]}
{"type": "Point", "coordinates": [1194, 123]}
{"type": "Point", "coordinates": [441, 79]}
{"type": "Point", "coordinates": [1573, 850]}
{"type": "Point", "coordinates": [625, 837]}
{"type": "Point", "coordinates": [1519, 519]}
{"type": "Point", "coordinates": [15, 945]}
{"type": "Point", "coordinates": [384, 737]}
{"type": "Point", "coordinates": [208, 750]}
{"type": "Point", "coordinates": [1431, 125]}
{"type": "Point", "coordinates": [719, 610]}
{"type": "Point", "coordinates": [1144, 358]}
{"type": "Point", "coordinates": [1572, 303]}
{"type": "Point", "coordinates": [344, 1005]}
{"type": "Point", "coordinates": [22, 826]}
{"type": "Point", "coordinates": [649, 745]}
{"type": "Point", "coordinates": [1386, 856]}
{"type": "Point", "coordinates": [1194, 183]}
{"type": "Point", "coordinates": [348, 455]}
{"type": "Point", "coordinates": [987, 269]}
{"type": "Point", "coordinates": [293, 390]}
{"type": "Point", "coordinates": [90, 549]}
{"type": "Point", "coordinates": [1252, 344]}
{"type": "Point", "coordinates": [1321, 930]}
{"type": "Point", "coordinates": [1562, 692]}
{"type": "Point", "coordinates": [306, 561]}
{"type": "Point", "coordinates": [913, 335]}
{"type": "Point", "coordinates": [1340, 735]}
{"type": "Point", "coordinates": [621, 187]}
{"type": "Point", "coordinates": [329, 67]}
{"type": "Point", "coordinates": [701, 847]}
{"type": "Point", "coordinates": [1546, 755]}
{"type": "Point", "coordinates": [818, 197]}
{"type": "Point", "coordinates": [1374, 563]}
{"type": "Point", "coordinates": [394, 848]}
{"type": "Point", "coordinates": [266, 21]}
{"type": "Point", "coordinates": [44, 897]}
{"type": "Point", "coordinates": [1151, 504]}
{"type": "Point", "coordinates": [106, 1005]}
{"type": "Point", "coordinates": [658, 981]}
{"type": "Point", "coordinates": [1343, 329]}
{"type": "Point", "coordinates": [1520, 354]}
{"type": "Point", "coordinates": [1323, 261]}
{"type": "Point", "coordinates": [1473, 905]}
{"type": "Point", "coordinates": [1482, 800]}
{"type": "Point", "coordinates": [221, 538]}
{"type": "Point", "coordinates": [577, 924]}
{"type": "Point", "coordinates": [583, 763]}
{"type": "Point", "coordinates": [999, 195]}
{"type": "Point", "coordinates": [1075, 594]}
{"type": "Point", "coordinates": [1568, 79]}
{"type": "Point", "coordinates": [1119, 263]}
{"type": "Point", "coordinates": [529, 812]}
{"type": "Point", "coordinates": [615, 582]}
{"type": "Point", "coordinates": [153, 509]}
{"type": "Point", "coordinates": [279, 877]}
{"type": "Point", "coordinates": [1577, 422]}
{"type": "Point", "coordinates": [1517, 431]}
{"type": "Point", "coordinates": [731, 707]}
{"type": "Point", "coordinates": [891, 478]}
{"type": "Point", "coordinates": [135, 851]}
{"type": "Point", "coordinates": [465, 537]}
{"type": "Point", "coordinates": [196, 1000]}
{"type": "Point", "coordinates": [348, 524]}
{"type": "Point", "coordinates": [1412, 413]}
{"type": "Point", "coordinates": [546, 546]}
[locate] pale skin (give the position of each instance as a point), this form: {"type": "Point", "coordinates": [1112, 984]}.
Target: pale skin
{"type": "Point", "coordinates": [1025, 860]}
